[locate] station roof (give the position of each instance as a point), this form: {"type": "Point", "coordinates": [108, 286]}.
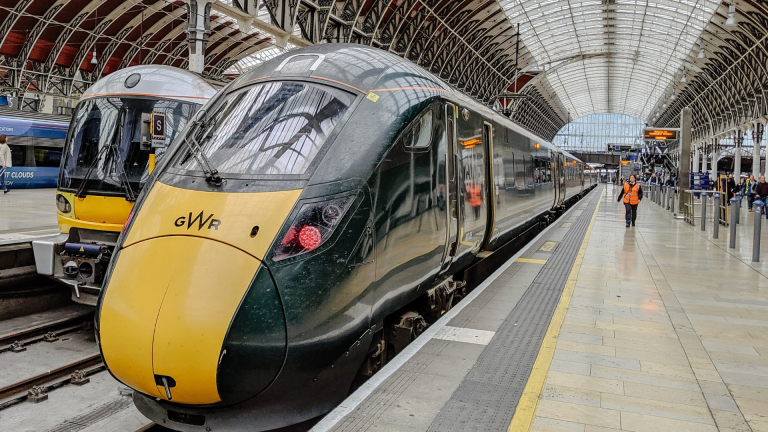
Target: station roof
{"type": "Point", "coordinates": [570, 58]}
{"type": "Point", "coordinates": [613, 55]}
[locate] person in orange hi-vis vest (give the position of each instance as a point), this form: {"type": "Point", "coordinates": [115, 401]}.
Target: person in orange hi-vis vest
{"type": "Point", "coordinates": [632, 194]}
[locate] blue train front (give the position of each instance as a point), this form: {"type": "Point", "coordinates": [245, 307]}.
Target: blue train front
{"type": "Point", "coordinates": [327, 195]}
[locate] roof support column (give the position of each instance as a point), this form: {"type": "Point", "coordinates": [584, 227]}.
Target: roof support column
{"type": "Point", "coordinates": [684, 170]}
{"type": "Point", "coordinates": [198, 30]}
{"type": "Point", "coordinates": [713, 166]}
{"type": "Point", "coordinates": [696, 159]}
{"type": "Point", "coordinates": [738, 139]}
{"type": "Point", "coordinates": [757, 140]}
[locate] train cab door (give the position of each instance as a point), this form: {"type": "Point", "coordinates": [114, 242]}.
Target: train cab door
{"type": "Point", "coordinates": [454, 211]}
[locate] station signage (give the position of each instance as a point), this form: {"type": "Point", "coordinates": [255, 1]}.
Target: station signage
{"type": "Point", "coordinates": [660, 134]}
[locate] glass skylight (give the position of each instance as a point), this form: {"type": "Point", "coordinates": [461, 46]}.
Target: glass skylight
{"type": "Point", "coordinates": [632, 48]}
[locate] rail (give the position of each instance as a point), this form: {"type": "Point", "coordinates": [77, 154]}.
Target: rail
{"type": "Point", "coordinates": [49, 332]}
{"type": "Point", "coordinates": [36, 388]}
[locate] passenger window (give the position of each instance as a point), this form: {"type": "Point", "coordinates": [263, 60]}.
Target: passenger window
{"type": "Point", "coordinates": [529, 170]}
{"type": "Point", "coordinates": [419, 135]}
{"type": "Point", "coordinates": [519, 171]}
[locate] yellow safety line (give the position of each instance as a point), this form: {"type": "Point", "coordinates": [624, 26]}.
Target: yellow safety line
{"type": "Point", "coordinates": [529, 400]}
{"type": "Point", "coordinates": [531, 260]}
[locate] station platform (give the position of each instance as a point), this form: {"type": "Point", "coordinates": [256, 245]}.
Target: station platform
{"type": "Point", "coordinates": [593, 327]}
{"type": "Point", "coordinates": [27, 214]}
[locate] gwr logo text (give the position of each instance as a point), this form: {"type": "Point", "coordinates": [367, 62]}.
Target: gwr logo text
{"type": "Point", "coordinates": [198, 220]}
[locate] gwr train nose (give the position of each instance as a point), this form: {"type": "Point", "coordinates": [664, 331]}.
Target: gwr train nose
{"type": "Point", "coordinates": [167, 313]}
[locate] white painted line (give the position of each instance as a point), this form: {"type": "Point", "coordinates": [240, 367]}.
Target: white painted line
{"type": "Point", "coordinates": [462, 334]}
{"type": "Point", "coordinates": [365, 390]}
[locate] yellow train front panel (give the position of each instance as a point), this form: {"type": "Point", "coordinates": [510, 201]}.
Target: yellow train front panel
{"type": "Point", "coordinates": [184, 268]}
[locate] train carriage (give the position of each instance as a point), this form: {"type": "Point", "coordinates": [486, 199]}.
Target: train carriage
{"type": "Point", "coordinates": [327, 195]}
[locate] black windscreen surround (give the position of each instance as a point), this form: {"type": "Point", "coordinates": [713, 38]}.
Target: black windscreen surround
{"type": "Point", "coordinates": [268, 129]}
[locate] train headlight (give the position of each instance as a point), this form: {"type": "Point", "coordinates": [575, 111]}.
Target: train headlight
{"type": "Point", "coordinates": [63, 204]}
{"type": "Point", "coordinates": [312, 227]}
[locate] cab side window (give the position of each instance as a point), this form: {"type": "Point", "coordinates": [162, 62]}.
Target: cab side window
{"type": "Point", "coordinates": [418, 135]}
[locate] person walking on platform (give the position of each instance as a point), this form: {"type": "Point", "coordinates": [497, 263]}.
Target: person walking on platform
{"type": "Point", "coordinates": [730, 188]}
{"type": "Point", "coordinates": [5, 160]}
{"type": "Point", "coordinates": [761, 192]}
{"type": "Point", "coordinates": [740, 189]}
{"type": "Point", "coordinates": [671, 180]}
{"type": "Point", "coordinates": [749, 191]}
{"type": "Point", "coordinates": [632, 194]}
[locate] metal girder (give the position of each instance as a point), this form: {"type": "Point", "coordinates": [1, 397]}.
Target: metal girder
{"type": "Point", "coordinates": [12, 18]}
{"type": "Point", "coordinates": [5, 30]}
{"type": "Point", "coordinates": [93, 36]}
{"type": "Point", "coordinates": [731, 90]}
{"type": "Point", "coordinates": [23, 57]}
{"type": "Point", "coordinates": [135, 48]}
{"type": "Point", "coordinates": [283, 13]}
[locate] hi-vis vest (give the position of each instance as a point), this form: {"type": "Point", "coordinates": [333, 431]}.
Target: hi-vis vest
{"type": "Point", "coordinates": [631, 193]}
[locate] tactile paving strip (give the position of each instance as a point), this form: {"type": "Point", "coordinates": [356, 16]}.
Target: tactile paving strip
{"type": "Point", "coordinates": [488, 395]}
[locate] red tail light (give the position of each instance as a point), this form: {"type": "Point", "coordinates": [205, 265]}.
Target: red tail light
{"type": "Point", "coordinates": [313, 226]}
{"type": "Point", "coordinates": [310, 237]}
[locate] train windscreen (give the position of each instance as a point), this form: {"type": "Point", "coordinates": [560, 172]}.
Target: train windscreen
{"type": "Point", "coordinates": [272, 128]}
{"type": "Point", "coordinates": [104, 145]}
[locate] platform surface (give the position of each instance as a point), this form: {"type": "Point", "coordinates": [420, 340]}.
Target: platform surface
{"type": "Point", "coordinates": [27, 214]}
{"type": "Point", "coordinates": [653, 328]}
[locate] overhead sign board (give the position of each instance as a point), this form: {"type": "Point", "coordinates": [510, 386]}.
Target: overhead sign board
{"type": "Point", "coordinates": [620, 147]}
{"type": "Point", "coordinates": [660, 134]}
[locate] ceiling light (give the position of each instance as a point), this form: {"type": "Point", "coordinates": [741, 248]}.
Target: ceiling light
{"type": "Point", "coordinates": [684, 78]}
{"type": "Point", "coordinates": [93, 59]}
{"type": "Point", "coordinates": [672, 97]}
{"type": "Point", "coordinates": [664, 106]}
{"type": "Point", "coordinates": [702, 54]}
{"type": "Point", "coordinates": [731, 21]}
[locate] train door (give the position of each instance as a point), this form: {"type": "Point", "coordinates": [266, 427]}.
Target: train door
{"type": "Point", "coordinates": [555, 177]}
{"type": "Point", "coordinates": [490, 185]}
{"type": "Point", "coordinates": [561, 176]}
{"type": "Point", "coordinates": [452, 182]}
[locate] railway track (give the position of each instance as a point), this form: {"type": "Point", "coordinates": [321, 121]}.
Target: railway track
{"type": "Point", "coordinates": [49, 332]}
{"type": "Point", "coordinates": [35, 388]}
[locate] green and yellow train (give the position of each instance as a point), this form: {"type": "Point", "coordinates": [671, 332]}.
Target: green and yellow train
{"type": "Point", "coordinates": [328, 195]}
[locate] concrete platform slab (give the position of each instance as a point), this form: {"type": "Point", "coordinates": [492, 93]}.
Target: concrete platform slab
{"type": "Point", "coordinates": [27, 214]}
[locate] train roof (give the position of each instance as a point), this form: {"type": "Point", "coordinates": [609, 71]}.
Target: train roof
{"type": "Point", "coordinates": [164, 82]}
{"type": "Point", "coordinates": [359, 67]}
{"type": "Point", "coordinates": [34, 116]}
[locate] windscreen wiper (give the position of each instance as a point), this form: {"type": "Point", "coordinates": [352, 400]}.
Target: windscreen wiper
{"type": "Point", "coordinates": [211, 173]}
{"type": "Point", "coordinates": [129, 195]}
{"type": "Point", "coordinates": [81, 190]}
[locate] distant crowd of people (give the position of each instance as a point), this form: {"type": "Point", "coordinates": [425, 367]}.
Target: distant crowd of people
{"type": "Point", "coordinates": [631, 192]}
{"type": "Point", "coordinates": [747, 187]}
